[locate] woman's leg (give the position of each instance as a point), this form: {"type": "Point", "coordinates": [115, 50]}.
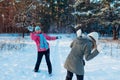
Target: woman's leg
{"type": "Point", "coordinates": [47, 57]}
{"type": "Point", "coordinates": [39, 58]}
{"type": "Point", "coordinates": [80, 77]}
{"type": "Point", "coordinates": [69, 75]}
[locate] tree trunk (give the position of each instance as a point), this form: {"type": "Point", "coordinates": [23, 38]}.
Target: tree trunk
{"type": "Point", "coordinates": [114, 35]}
{"type": "Point", "coordinates": [23, 34]}
{"type": "Point", "coordinates": [115, 32]}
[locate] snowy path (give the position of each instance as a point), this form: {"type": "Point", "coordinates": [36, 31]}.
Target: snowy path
{"type": "Point", "coordinates": [19, 64]}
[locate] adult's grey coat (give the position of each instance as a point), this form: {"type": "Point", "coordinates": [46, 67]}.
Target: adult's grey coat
{"type": "Point", "coordinates": [80, 48]}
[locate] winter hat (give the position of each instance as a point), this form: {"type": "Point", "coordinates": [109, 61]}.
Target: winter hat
{"type": "Point", "coordinates": [93, 35]}
{"type": "Point", "coordinates": [79, 33]}
{"type": "Point", "coordinates": [37, 28]}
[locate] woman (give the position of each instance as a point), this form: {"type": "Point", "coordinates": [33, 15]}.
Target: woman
{"type": "Point", "coordinates": [42, 47]}
{"type": "Point", "coordinates": [81, 47]}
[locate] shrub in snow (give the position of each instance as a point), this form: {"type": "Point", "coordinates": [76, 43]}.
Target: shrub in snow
{"type": "Point", "coordinates": [12, 46]}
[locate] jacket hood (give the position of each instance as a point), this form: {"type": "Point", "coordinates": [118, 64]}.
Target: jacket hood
{"type": "Point", "coordinates": [93, 35]}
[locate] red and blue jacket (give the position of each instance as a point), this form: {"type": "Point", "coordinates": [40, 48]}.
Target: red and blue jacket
{"type": "Point", "coordinates": [35, 36]}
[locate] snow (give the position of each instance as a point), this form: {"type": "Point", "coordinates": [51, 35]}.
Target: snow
{"type": "Point", "coordinates": [18, 58]}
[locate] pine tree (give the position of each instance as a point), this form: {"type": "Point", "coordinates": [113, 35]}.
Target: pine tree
{"type": "Point", "coordinates": [104, 12]}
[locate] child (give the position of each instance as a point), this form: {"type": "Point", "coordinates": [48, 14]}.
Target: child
{"type": "Point", "coordinates": [42, 47]}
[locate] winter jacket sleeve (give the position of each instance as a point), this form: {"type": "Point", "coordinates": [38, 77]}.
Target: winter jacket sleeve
{"type": "Point", "coordinates": [88, 54]}
{"type": "Point", "coordinates": [33, 36]}
{"type": "Point", "coordinates": [49, 37]}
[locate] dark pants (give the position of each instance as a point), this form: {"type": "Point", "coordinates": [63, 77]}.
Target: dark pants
{"type": "Point", "coordinates": [47, 58]}
{"type": "Point", "coordinates": [70, 75]}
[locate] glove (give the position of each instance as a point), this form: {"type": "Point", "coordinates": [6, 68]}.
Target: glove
{"type": "Point", "coordinates": [58, 37]}
{"type": "Point", "coordinates": [30, 28]}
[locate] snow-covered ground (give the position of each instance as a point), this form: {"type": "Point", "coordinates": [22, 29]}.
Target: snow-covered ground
{"type": "Point", "coordinates": [18, 58]}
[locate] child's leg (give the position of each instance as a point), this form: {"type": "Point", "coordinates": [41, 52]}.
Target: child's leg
{"type": "Point", "coordinates": [47, 57]}
{"type": "Point", "coordinates": [39, 58]}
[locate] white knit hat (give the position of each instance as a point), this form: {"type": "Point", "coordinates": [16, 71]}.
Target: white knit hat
{"type": "Point", "coordinates": [94, 35]}
{"type": "Point", "coordinates": [79, 33]}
